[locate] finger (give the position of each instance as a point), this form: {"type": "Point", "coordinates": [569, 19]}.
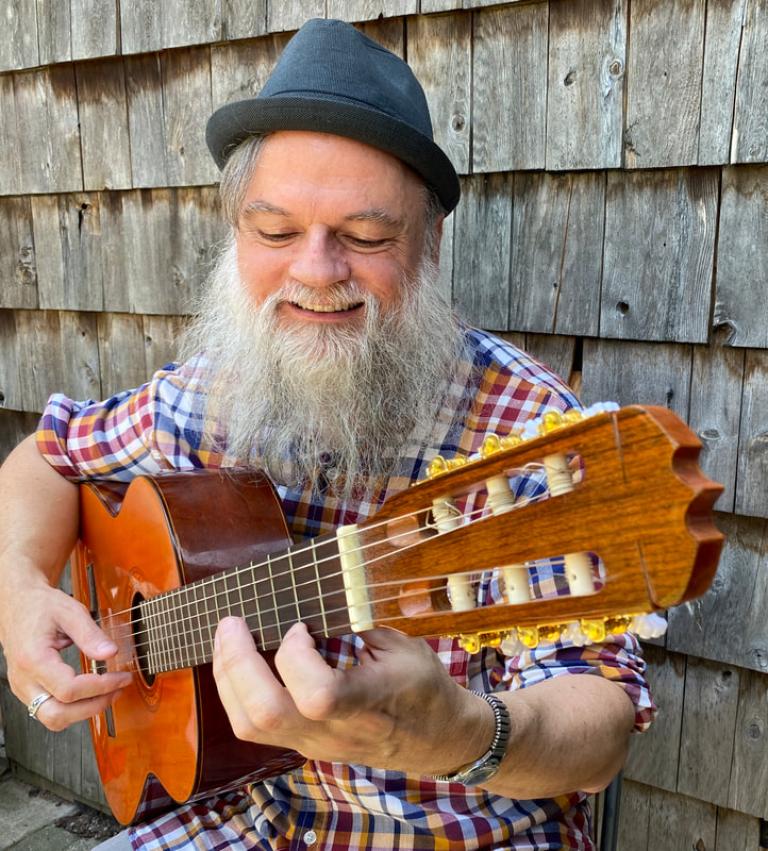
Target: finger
{"type": "Point", "coordinates": [319, 691]}
{"type": "Point", "coordinates": [67, 686]}
{"type": "Point", "coordinates": [258, 706]}
{"type": "Point", "coordinates": [57, 716]}
{"type": "Point", "coordinates": [76, 622]}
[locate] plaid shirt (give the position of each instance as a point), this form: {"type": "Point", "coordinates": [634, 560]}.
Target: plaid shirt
{"type": "Point", "coordinates": [160, 426]}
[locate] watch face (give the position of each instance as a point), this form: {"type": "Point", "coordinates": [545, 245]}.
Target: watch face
{"type": "Point", "coordinates": [475, 776]}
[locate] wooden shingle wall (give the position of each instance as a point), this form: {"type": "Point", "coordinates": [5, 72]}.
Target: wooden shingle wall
{"type": "Point", "coordinates": [614, 163]}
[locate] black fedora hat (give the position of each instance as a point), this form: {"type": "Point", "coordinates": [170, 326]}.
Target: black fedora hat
{"type": "Point", "coordinates": [333, 79]}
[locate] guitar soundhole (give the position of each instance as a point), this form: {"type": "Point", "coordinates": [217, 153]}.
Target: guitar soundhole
{"type": "Point", "coordinates": [141, 641]}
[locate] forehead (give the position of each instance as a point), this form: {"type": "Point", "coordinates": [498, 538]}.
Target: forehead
{"type": "Point", "coordinates": [302, 171]}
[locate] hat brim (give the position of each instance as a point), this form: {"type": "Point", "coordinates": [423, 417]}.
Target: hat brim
{"type": "Point", "coordinates": [232, 124]}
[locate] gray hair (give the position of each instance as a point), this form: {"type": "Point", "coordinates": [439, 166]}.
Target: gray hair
{"type": "Point", "coordinates": [239, 169]}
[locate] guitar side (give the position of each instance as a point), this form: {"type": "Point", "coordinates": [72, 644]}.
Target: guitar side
{"type": "Point", "coordinates": [165, 534]}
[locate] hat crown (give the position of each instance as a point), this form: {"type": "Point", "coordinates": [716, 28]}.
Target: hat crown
{"type": "Point", "coordinates": [331, 60]}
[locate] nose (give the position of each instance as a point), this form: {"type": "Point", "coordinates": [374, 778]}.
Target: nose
{"type": "Point", "coordinates": [319, 260]}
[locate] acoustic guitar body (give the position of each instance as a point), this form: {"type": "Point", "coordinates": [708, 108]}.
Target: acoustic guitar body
{"type": "Point", "coordinates": [170, 725]}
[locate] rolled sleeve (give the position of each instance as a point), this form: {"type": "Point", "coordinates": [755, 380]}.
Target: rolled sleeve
{"type": "Point", "coordinates": [156, 427]}
{"type": "Point", "coordinates": [617, 659]}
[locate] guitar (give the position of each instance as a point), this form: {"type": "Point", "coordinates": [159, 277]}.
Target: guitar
{"type": "Point", "coordinates": [626, 511]}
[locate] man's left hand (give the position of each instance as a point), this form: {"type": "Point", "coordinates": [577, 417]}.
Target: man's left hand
{"type": "Point", "coordinates": [397, 709]}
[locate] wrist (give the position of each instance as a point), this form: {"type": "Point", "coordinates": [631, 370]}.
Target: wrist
{"type": "Point", "coordinates": [485, 766]}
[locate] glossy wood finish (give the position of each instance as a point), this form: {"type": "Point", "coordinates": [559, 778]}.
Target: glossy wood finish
{"type": "Point", "coordinates": [165, 535]}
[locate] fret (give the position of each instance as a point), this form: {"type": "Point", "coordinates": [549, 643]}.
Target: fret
{"type": "Point", "coordinates": [209, 604]}
{"type": "Point", "coordinates": [320, 600]}
{"type": "Point", "coordinates": [292, 572]}
{"type": "Point", "coordinates": [163, 629]}
{"type": "Point", "coordinates": [195, 630]}
{"type": "Point", "coordinates": [262, 639]}
{"type": "Point", "coordinates": [274, 598]}
{"type": "Point", "coordinates": [187, 633]}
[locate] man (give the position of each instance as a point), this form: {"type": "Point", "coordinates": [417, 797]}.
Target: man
{"type": "Point", "coordinates": [324, 354]}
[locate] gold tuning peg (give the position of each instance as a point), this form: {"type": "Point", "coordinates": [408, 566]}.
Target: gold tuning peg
{"type": "Point", "coordinates": [573, 415]}
{"type": "Point", "coordinates": [529, 636]}
{"type": "Point", "coordinates": [493, 443]}
{"type": "Point", "coordinates": [551, 421]}
{"type": "Point", "coordinates": [439, 465]}
{"type": "Point", "coordinates": [491, 639]}
{"type": "Point", "coordinates": [436, 466]}
{"type": "Point", "coordinates": [470, 643]}
{"type": "Point", "coordinates": [550, 631]}
{"type": "Point", "coordinates": [594, 629]}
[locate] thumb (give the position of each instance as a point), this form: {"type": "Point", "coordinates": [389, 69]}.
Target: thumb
{"type": "Point", "coordinates": [75, 620]}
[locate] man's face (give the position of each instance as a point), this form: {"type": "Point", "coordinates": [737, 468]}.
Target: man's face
{"type": "Point", "coordinates": [322, 210]}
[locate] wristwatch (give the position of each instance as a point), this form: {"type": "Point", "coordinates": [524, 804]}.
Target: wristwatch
{"type": "Point", "coordinates": [484, 768]}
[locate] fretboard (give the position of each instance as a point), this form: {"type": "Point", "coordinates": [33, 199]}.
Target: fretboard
{"type": "Point", "coordinates": [304, 583]}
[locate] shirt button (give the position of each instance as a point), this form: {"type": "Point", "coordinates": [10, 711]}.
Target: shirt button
{"type": "Point", "coordinates": [310, 837]}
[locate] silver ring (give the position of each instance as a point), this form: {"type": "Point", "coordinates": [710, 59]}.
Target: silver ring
{"type": "Point", "coordinates": [37, 702]}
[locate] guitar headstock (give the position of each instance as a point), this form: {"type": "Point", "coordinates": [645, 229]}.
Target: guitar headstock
{"type": "Point", "coordinates": [622, 507]}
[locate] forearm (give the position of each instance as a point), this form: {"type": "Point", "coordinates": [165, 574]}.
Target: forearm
{"type": "Point", "coordinates": [568, 733]}
{"type": "Point", "coordinates": [38, 518]}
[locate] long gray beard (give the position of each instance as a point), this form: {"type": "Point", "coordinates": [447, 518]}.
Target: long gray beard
{"type": "Point", "coordinates": [335, 406]}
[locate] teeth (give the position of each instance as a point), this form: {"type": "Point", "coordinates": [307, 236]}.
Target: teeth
{"type": "Point", "coordinates": [325, 308]}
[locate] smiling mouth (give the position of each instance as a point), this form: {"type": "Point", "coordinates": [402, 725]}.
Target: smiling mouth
{"type": "Point", "coordinates": [327, 308]}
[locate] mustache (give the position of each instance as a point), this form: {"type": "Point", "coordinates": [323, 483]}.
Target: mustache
{"type": "Point", "coordinates": [341, 296]}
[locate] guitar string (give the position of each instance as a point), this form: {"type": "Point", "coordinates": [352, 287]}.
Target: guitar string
{"type": "Point", "coordinates": [471, 516]}
{"type": "Point", "coordinates": [206, 643]}
{"type": "Point", "coordinates": [128, 627]}
{"type": "Point", "coordinates": [314, 543]}
{"type": "Point", "coordinates": [205, 646]}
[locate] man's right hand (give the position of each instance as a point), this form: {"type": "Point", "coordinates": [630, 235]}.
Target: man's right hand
{"type": "Point", "coordinates": [39, 519]}
{"type": "Point", "coordinates": [38, 622]}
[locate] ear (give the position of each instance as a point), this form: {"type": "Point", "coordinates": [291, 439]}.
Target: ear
{"type": "Point", "coordinates": [438, 239]}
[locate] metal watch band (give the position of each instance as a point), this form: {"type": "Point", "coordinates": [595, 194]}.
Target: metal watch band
{"type": "Point", "coordinates": [488, 764]}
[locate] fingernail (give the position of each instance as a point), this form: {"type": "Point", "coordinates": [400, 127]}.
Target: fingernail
{"type": "Point", "coordinates": [105, 648]}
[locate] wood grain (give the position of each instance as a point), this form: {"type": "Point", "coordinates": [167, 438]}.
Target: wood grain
{"type": "Point", "coordinates": [554, 351]}
{"type": "Point", "coordinates": [557, 237]}
{"type": "Point", "coordinates": [14, 427]}
{"type": "Point", "coordinates": [742, 270]}
{"type": "Point", "coordinates": [678, 822]}
{"type": "Point", "coordinates": [482, 251]}
{"type": "Point", "coordinates": [439, 51]}
{"type": "Point", "coordinates": [659, 250]}
{"type": "Point", "coordinates": [58, 352]}
{"type": "Point", "coordinates": [654, 756]}
{"type": "Point", "coordinates": [239, 71]}
{"type": "Point", "coordinates": [146, 120]}
{"type": "Point", "coordinates": [585, 92]}
{"type": "Point", "coordinates": [146, 25]}
{"type": "Point", "coordinates": [121, 352]}
{"type": "Point", "coordinates": [634, 816]}
{"type": "Point", "coordinates": [243, 18]}
{"type": "Point", "coordinates": [366, 10]}
{"type": "Point", "coordinates": [18, 269]}
{"type": "Point", "coordinates": [103, 110]}
{"type": "Point", "coordinates": [749, 775]}
{"type": "Point", "coordinates": [54, 31]}
{"type": "Point", "coordinates": [705, 627]}
{"type": "Point", "coordinates": [10, 177]}
{"type": "Point", "coordinates": [10, 377]}
{"type": "Point", "coordinates": [716, 387]}
{"type": "Point", "coordinates": [18, 35]}
{"type": "Point", "coordinates": [709, 723]}
{"type": "Point", "coordinates": [187, 105]}
{"type": "Point", "coordinates": [509, 75]}
{"type": "Point", "coordinates": [94, 28]}
{"type": "Point", "coordinates": [752, 476]}
{"type": "Point", "coordinates": [718, 85]}
{"type": "Point", "coordinates": [67, 232]}
{"type": "Point", "coordinates": [49, 149]}
{"type": "Point", "coordinates": [750, 120]}
{"type": "Point", "coordinates": [737, 832]}
{"type": "Point", "coordinates": [664, 83]}
{"type": "Point", "coordinates": [642, 373]}
{"type": "Point", "coordinates": [291, 14]}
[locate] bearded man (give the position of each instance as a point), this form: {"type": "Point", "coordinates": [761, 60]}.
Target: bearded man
{"type": "Point", "coordinates": [325, 355]}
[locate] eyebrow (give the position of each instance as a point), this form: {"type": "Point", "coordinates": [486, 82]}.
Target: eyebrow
{"type": "Point", "coordinates": [377, 215]}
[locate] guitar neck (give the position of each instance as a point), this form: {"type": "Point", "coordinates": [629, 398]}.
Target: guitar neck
{"type": "Point", "coordinates": [304, 583]}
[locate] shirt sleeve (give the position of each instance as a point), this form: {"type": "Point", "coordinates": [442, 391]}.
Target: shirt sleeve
{"type": "Point", "coordinates": [158, 426]}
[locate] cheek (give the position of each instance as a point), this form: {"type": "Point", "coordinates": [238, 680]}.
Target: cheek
{"type": "Point", "coordinates": [260, 273]}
